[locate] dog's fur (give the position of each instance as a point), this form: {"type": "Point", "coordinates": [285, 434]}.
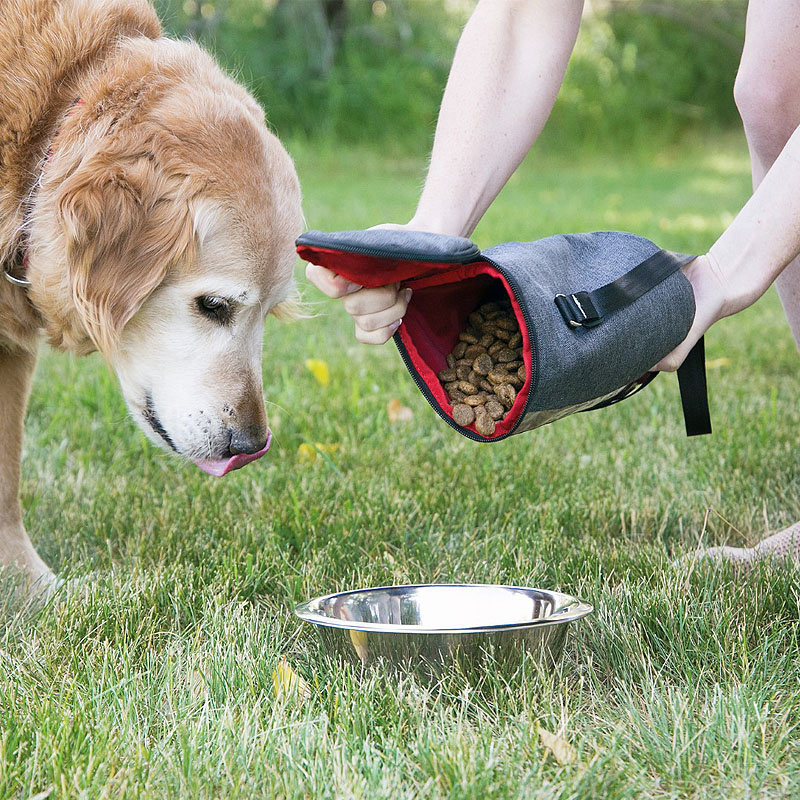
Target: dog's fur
{"type": "Point", "coordinates": [138, 179]}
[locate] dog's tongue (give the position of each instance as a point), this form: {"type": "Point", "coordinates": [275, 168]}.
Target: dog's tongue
{"type": "Point", "coordinates": [222, 466]}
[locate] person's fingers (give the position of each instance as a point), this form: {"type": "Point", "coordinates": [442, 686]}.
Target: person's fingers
{"type": "Point", "coordinates": [380, 336]}
{"type": "Point", "coordinates": [376, 321]}
{"type": "Point", "coordinates": [370, 301]}
{"type": "Point", "coordinates": [329, 283]}
{"type": "Point", "coordinates": [709, 296]}
{"type": "Point", "coordinates": [673, 360]}
{"type": "Point", "coordinates": [388, 226]}
{"type": "Point", "coordinates": [704, 318]}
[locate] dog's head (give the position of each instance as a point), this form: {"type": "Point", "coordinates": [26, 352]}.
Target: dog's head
{"type": "Point", "coordinates": [172, 212]}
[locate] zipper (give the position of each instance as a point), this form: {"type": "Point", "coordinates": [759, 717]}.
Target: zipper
{"type": "Point", "coordinates": [461, 259]}
{"type": "Point", "coordinates": [427, 394]}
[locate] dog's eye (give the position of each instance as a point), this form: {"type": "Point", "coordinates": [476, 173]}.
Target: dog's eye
{"type": "Point", "coordinates": [215, 308]}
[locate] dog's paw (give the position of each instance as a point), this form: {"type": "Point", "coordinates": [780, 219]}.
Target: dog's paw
{"type": "Point", "coordinates": [22, 591]}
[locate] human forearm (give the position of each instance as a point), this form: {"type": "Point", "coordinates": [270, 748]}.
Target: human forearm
{"type": "Point", "coordinates": [506, 73]}
{"type": "Point", "coordinates": [750, 254]}
{"type": "Point", "coordinates": [765, 235]}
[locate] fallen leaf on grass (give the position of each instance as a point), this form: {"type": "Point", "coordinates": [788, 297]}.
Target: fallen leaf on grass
{"type": "Point", "coordinates": [288, 683]}
{"type": "Point", "coordinates": [557, 745]}
{"type": "Point", "coordinates": [360, 644]}
{"type": "Point", "coordinates": [308, 453]}
{"type": "Point", "coordinates": [398, 412]}
{"type": "Point", "coordinates": [319, 369]}
{"type": "Point", "coordinates": [716, 363]}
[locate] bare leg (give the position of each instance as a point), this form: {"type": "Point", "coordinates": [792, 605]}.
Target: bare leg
{"type": "Point", "coordinates": [16, 550]}
{"type": "Point", "coordinates": [768, 97]}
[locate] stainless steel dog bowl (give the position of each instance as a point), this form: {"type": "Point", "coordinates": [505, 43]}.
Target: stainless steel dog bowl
{"type": "Point", "coordinates": [444, 625]}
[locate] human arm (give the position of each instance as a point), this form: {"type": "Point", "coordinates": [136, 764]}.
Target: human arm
{"type": "Point", "coordinates": [506, 73]}
{"type": "Point", "coordinates": [508, 68]}
{"type": "Point", "coordinates": [750, 254]}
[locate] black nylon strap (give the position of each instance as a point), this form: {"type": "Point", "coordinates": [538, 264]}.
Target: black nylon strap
{"type": "Point", "coordinates": [694, 391]}
{"type": "Point", "coordinates": [627, 391]}
{"type": "Point", "coordinates": [587, 309]}
{"type": "Point", "coordinates": [640, 280]}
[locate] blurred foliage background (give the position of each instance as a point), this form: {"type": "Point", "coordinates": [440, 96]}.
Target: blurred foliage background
{"type": "Point", "coordinates": [643, 72]}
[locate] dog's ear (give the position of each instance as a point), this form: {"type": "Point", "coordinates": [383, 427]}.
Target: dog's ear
{"type": "Point", "coordinates": [124, 228]}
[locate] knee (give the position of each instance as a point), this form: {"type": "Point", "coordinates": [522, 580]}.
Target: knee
{"type": "Point", "coordinates": [769, 106]}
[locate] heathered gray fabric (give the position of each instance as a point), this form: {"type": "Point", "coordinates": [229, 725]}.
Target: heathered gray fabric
{"type": "Point", "coordinates": [580, 364]}
{"type": "Point", "coordinates": [535, 419]}
{"type": "Point", "coordinates": [572, 366]}
{"type": "Point", "coordinates": [402, 245]}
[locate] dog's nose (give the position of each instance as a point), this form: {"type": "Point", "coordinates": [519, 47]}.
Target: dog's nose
{"type": "Point", "coordinates": [246, 441]}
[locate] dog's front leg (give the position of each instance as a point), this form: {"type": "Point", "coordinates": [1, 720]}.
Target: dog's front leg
{"type": "Point", "coordinates": [16, 550]}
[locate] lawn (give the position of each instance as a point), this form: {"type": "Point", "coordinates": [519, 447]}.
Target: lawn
{"type": "Point", "coordinates": [153, 676]}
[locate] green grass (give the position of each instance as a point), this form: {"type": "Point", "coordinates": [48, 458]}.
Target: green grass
{"type": "Point", "coordinates": [153, 678]}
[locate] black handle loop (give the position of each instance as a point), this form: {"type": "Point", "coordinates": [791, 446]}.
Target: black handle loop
{"type": "Point", "coordinates": [694, 391]}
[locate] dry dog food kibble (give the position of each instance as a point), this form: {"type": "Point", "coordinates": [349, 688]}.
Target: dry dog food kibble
{"type": "Point", "coordinates": [486, 368]}
{"type": "Point", "coordinates": [463, 414]}
{"type": "Point", "coordinates": [484, 424]}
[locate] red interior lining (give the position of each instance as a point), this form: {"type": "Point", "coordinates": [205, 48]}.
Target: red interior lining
{"type": "Point", "coordinates": [369, 270]}
{"type": "Point", "coordinates": [438, 313]}
{"type": "Point", "coordinates": [444, 297]}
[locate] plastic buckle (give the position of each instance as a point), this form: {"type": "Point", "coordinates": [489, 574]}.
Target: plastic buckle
{"type": "Point", "coordinates": [578, 310]}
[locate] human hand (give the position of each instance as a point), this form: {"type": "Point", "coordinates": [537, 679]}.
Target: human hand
{"type": "Point", "coordinates": [377, 312]}
{"type": "Point", "coordinates": [710, 291]}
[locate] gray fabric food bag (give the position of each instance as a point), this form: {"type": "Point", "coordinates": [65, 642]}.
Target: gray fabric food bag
{"type": "Point", "coordinates": [596, 312]}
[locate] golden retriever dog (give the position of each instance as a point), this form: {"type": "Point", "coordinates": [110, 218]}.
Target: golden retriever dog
{"type": "Point", "coordinates": [146, 212]}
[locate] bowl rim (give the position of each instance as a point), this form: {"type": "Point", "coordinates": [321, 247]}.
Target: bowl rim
{"type": "Point", "coordinates": [574, 609]}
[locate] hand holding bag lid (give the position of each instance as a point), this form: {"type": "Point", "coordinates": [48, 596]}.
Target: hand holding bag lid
{"type": "Point", "coordinates": [596, 311]}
